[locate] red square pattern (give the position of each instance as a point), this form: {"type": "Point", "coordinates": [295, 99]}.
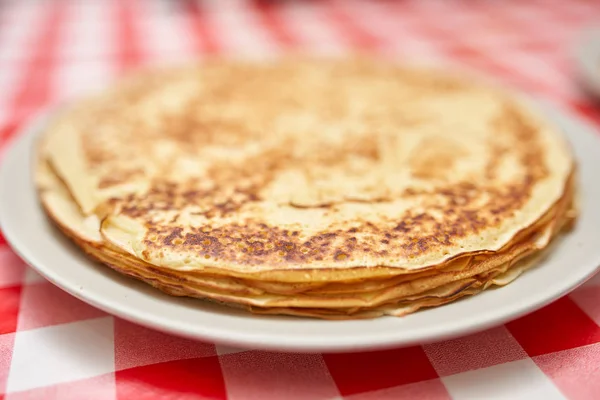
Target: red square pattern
{"type": "Point", "coordinates": [199, 378]}
{"type": "Point", "coordinates": [587, 110]}
{"type": "Point", "coordinates": [7, 132]}
{"type": "Point", "coordinates": [10, 298]}
{"type": "Point", "coordinates": [569, 368]}
{"type": "Point", "coordinates": [385, 369]}
{"type": "Point", "coordinates": [12, 268]}
{"type": "Point", "coordinates": [560, 326]}
{"type": "Point", "coordinates": [483, 349]}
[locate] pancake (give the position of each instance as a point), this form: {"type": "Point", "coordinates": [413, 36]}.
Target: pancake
{"type": "Point", "coordinates": [421, 290]}
{"type": "Point", "coordinates": [335, 165]}
{"type": "Point", "coordinates": [334, 189]}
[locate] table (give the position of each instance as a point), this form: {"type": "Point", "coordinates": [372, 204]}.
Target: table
{"type": "Point", "coordinates": [53, 346]}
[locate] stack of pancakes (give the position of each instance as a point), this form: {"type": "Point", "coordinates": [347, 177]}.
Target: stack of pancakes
{"type": "Point", "coordinates": [323, 188]}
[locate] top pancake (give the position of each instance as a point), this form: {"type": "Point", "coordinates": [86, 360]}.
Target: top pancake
{"type": "Point", "coordinates": [307, 165]}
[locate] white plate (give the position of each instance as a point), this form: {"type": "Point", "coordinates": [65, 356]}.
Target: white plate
{"type": "Point", "coordinates": [24, 224]}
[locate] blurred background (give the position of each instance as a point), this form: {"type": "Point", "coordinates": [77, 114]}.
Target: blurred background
{"type": "Point", "coordinates": [53, 50]}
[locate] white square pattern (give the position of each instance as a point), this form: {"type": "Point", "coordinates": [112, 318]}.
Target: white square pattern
{"type": "Point", "coordinates": [514, 380]}
{"type": "Point", "coordinates": [62, 353]}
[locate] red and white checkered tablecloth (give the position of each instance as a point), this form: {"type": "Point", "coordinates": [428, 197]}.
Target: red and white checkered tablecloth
{"type": "Point", "coordinates": [53, 346]}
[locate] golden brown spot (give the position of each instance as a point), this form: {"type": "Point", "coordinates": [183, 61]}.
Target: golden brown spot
{"type": "Point", "coordinates": [434, 159]}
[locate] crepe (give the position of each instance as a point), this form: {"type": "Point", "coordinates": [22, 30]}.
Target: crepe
{"type": "Point", "coordinates": [447, 282]}
{"type": "Point", "coordinates": [333, 189]}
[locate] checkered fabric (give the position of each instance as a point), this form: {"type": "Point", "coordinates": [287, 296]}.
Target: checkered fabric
{"type": "Point", "coordinates": [53, 346]}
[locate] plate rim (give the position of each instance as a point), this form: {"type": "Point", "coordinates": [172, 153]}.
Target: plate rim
{"type": "Point", "coordinates": [587, 59]}
{"type": "Point", "coordinates": [23, 142]}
